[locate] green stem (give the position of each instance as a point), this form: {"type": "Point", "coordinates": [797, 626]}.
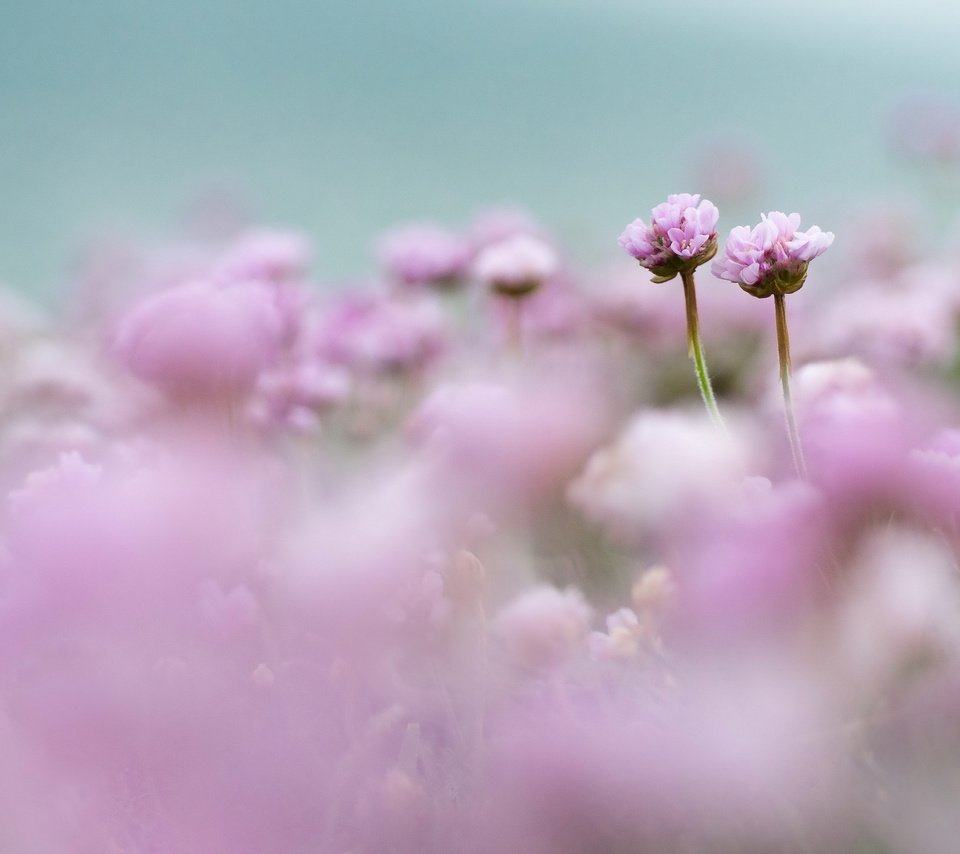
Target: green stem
{"type": "Point", "coordinates": [696, 348]}
{"type": "Point", "coordinates": [783, 353]}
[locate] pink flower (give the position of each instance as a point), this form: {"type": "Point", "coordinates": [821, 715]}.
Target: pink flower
{"type": "Point", "coordinates": [682, 233]}
{"type": "Point", "coordinates": [772, 257]}
{"type": "Point", "coordinates": [887, 326]}
{"type": "Point", "coordinates": [622, 638]}
{"type": "Point", "coordinates": [714, 756]}
{"type": "Point", "coordinates": [265, 255]}
{"type": "Point", "coordinates": [737, 585]}
{"type": "Point", "coordinates": [900, 607]}
{"type": "Point", "coordinates": [516, 265]}
{"type": "Point", "coordinates": [657, 472]}
{"type": "Point", "coordinates": [424, 255]}
{"type": "Point", "coordinates": [856, 433]}
{"type": "Point", "coordinates": [377, 333]}
{"type": "Point", "coordinates": [505, 445]}
{"type": "Point", "coordinates": [200, 338]}
{"type": "Point", "coordinates": [294, 395]}
{"type": "Point", "coordinates": [544, 624]}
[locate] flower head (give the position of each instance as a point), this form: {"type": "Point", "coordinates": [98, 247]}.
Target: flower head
{"type": "Point", "coordinates": [682, 234]}
{"type": "Point", "coordinates": [424, 255]}
{"type": "Point", "coordinates": [264, 255]}
{"type": "Point", "coordinates": [376, 333]}
{"type": "Point", "coordinates": [544, 624]}
{"type": "Point", "coordinates": [200, 338]}
{"type": "Point", "coordinates": [517, 265]}
{"type": "Point", "coordinates": [772, 257]}
{"type": "Point", "coordinates": [663, 466]}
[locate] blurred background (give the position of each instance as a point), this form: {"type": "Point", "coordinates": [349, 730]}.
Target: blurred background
{"type": "Point", "coordinates": [343, 117]}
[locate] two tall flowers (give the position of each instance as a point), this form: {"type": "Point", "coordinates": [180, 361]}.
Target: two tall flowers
{"type": "Point", "coordinates": [770, 259]}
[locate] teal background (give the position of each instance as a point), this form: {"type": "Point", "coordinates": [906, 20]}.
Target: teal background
{"type": "Point", "coordinates": [346, 116]}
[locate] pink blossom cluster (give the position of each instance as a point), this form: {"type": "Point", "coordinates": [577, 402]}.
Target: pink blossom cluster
{"type": "Point", "coordinates": [503, 249]}
{"type": "Point", "coordinates": [293, 567]}
{"type": "Point", "coordinates": [771, 257]}
{"type": "Point", "coordinates": [683, 229]}
{"type": "Point", "coordinates": [424, 255]}
{"type": "Point", "coordinates": [517, 264]}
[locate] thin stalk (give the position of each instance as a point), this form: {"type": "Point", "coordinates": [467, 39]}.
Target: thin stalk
{"type": "Point", "coordinates": [783, 353]}
{"type": "Point", "coordinates": [695, 348]}
{"type": "Point", "coordinates": [514, 322]}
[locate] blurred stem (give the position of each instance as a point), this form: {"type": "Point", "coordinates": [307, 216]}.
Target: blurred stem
{"type": "Point", "coordinates": [783, 352]}
{"type": "Point", "coordinates": [455, 301]}
{"type": "Point", "coordinates": [695, 348]}
{"type": "Point", "coordinates": [514, 310]}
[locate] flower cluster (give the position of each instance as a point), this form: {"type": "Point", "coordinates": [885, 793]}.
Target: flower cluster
{"type": "Point", "coordinates": [516, 265]}
{"type": "Point", "coordinates": [424, 255]}
{"type": "Point", "coordinates": [682, 234]}
{"type": "Point", "coordinates": [285, 568]}
{"type": "Point", "coordinates": [772, 257]}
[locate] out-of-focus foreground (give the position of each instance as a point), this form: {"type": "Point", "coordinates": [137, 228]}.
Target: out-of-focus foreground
{"type": "Point", "coordinates": [453, 560]}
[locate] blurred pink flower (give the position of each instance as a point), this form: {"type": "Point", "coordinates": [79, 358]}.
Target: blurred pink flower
{"type": "Point", "coordinates": [886, 327]}
{"type": "Point", "coordinates": [377, 333]}
{"type": "Point", "coordinates": [293, 396]}
{"type": "Point", "coordinates": [264, 255]}
{"type": "Point", "coordinates": [424, 255]}
{"type": "Point", "coordinates": [543, 625]}
{"type": "Point", "coordinates": [856, 434]}
{"type": "Point", "coordinates": [730, 758]}
{"type": "Point", "coordinates": [899, 613]}
{"type": "Point", "coordinates": [506, 445]}
{"type": "Point", "coordinates": [201, 338]}
{"type": "Point", "coordinates": [620, 640]}
{"type": "Point", "coordinates": [516, 265]}
{"type": "Point", "coordinates": [663, 469]}
{"type": "Point", "coordinates": [737, 585]}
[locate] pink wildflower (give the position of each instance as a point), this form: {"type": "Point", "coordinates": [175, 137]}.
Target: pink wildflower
{"type": "Point", "coordinates": [517, 265]}
{"type": "Point", "coordinates": [265, 255]}
{"type": "Point", "coordinates": [544, 624]}
{"type": "Point", "coordinates": [424, 255]}
{"type": "Point", "coordinates": [682, 233]}
{"type": "Point", "coordinates": [772, 257]}
{"type": "Point", "coordinates": [200, 338]}
{"type": "Point", "coordinates": [664, 465]}
{"type": "Point", "coordinates": [377, 333]}
{"type": "Point", "coordinates": [295, 395]}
